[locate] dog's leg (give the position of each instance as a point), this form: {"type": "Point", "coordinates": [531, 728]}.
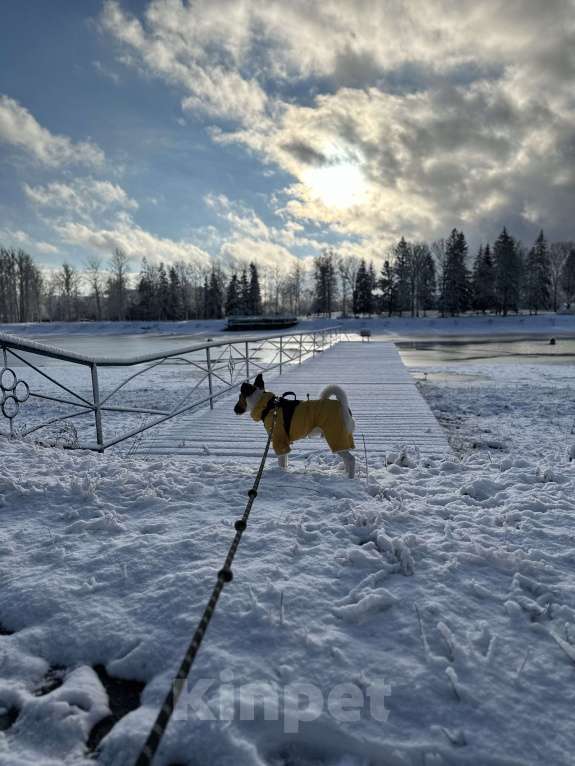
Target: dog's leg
{"type": "Point", "coordinates": [283, 462]}
{"type": "Point", "coordinates": [349, 462]}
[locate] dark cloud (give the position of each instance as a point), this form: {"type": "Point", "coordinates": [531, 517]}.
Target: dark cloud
{"type": "Point", "coordinates": [305, 154]}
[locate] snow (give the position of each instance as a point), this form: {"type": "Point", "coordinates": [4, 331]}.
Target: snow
{"type": "Point", "coordinates": [443, 589]}
{"type": "Point", "coordinates": [543, 324]}
{"type": "Point", "coordinates": [37, 329]}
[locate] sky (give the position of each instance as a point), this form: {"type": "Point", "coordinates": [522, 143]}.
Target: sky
{"type": "Point", "coordinates": [238, 130]}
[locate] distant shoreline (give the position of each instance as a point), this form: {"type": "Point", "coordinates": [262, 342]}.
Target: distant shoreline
{"type": "Point", "coordinates": [397, 328]}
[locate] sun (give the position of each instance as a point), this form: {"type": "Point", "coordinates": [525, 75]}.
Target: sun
{"type": "Point", "coordinates": [340, 185]}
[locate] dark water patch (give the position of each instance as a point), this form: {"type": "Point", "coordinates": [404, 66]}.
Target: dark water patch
{"type": "Point", "coordinates": [8, 718]}
{"type": "Point", "coordinates": [123, 697]}
{"type": "Point", "coordinates": [4, 631]}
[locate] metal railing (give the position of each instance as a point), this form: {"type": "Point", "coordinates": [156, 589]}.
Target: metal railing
{"type": "Point", "coordinates": [71, 386]}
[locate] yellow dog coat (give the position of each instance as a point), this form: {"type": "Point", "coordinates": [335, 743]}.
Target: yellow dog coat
{"type": "Point", "coordinates": [324, 414]}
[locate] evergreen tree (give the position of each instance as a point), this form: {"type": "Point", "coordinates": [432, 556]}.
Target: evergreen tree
{"type": "Point", "coordinates": [145, 304]}
{"type": "Point", "coordinates": [538, 276]}
{"type": "Point", "coordinates": [388, 287]}
{"type": "Point", "coordinates": [255, 298]}
{"type": "Point", "coordinates": [244, 294]}
{"type": "Point", "coordinates": [214, 300]}
{"type": "Point", "coordinates": [402, 268]}
{"type": "Point", "coordinates": [233, 301]}
{"type": "Point", "coordinates": [426, 283]}
{"type": "Point", "coordinates": [507, 273]}
{"type": "Point", "coordinates": [372, 281]}
{"type": "Point", "coordinates": [325, 283]}
{"type": "Point", "coordinates": [455, 298]}
{"type": "Point", "coordinates": [176, 304]}
{"type": "Point", "coordinates": [163, 294]}
{"type": "Point", "coordinates": [363, 291]}
{"type": "Point", "coordinates": [483, 281]}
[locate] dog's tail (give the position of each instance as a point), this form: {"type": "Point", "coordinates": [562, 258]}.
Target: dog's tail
{"type": "Point", "coordinates": [341, 396]}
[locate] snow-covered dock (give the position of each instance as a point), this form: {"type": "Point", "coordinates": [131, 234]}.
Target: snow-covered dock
{"type": "Point", "coordinates": [388, 409]}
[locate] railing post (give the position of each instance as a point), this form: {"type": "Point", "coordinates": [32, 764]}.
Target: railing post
{"type": "Point", "coordinates": [5, 356]}
{"type": "Point", "coordinates": [313, 344]}
{"type": "Point", "coordinates": [281, 354]}
{"type": "Point", "coordinates": [247, 360]}
{"type": "Point", "coordinates": [300, 347]}
{"type": "Point", "coordinates": [209, 366]}
{"type": "Point", "coordinates": [97, 410]}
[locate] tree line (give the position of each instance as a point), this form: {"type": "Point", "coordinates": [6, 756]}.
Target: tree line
{"type": "Point", "coordinates": [415, 278]}
{"type": "Point", "coordinates": [502, 277]}
{"type": "Point", "coordinates": [108, 291]}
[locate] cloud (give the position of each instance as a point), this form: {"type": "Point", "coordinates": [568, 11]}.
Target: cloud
{"type": "Point", "coordinates": [20, 129]}
{"type": "Point", "coordinates": [249, 238]}
{"type": "Point", "coordinates": [350, 42]}
{"type": "Point", "coordinates": [105, 72]}
{"type": "Point", "coordinates": [170, 44]}
{"type": "Point", "coordinates": [20, 239]}
{"type": "Point", "coordinates": [82, 197]}
{"type": "Point", "coordinates": [135, 241]}
{"type": "Point", "coordinates": [444, 113]}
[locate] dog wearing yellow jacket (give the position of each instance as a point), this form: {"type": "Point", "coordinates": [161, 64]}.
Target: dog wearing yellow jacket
{"type": "Point", "coordinates": [296, 420]}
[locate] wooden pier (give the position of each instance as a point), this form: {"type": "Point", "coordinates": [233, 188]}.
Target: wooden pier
{"type": "Point", "coordinates": [387, 407]}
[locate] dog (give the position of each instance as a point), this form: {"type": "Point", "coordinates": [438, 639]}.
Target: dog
{"type": "Point", "coordinates": [297, 419]}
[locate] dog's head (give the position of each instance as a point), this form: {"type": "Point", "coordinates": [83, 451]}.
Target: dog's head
{"type": "Point", "coordinates": [246, 391]}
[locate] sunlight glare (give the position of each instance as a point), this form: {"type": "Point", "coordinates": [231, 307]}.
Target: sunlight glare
{"type": "Point", "coordinates": [340, 186]}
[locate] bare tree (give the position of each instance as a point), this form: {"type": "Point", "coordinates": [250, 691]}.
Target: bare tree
{"type": "Point", "coordinates": [347, 268]}
{"type": "Point", "coordinates": [568, 275]}
{"type": "Point", "coordinates": [558, 253]}
{"type": "Point", "coordinates": [20, 287]}
{"type": "Point", "coordinates": [294, 284]}
{"type": "Point", "coordinates": [51, 295]}
{"type": "Point", "coordinates": [95, 278]}
{"type": "Point", "coordinates": [117, 286]}
{"type": "Point", "coordinates": [439, 252]}
{"type": "Point", "coordinates": [67, 284]}
{"type": "Point", "coordinates": [186, 277]}
{"type": "Point", "coordinates": [276, 283]}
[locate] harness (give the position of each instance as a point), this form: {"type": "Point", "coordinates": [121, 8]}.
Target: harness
{"type": "Point", "coordinates": [287, 407]}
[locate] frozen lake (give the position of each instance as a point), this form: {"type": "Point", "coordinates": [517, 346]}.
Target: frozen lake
{"type": "Point", "coordinates": [530, 350]}
{"type": "Point", "coordinates": [414, 352]}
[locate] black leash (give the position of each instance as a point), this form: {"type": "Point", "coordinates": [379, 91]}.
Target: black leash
{"type": "Point", "coordinates": [224, 576]}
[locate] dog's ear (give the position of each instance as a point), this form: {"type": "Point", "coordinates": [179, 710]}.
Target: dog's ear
{"type": "Point", "coordinates": [246, 389]}
{"type": "Point", "coordinates": [259, 382]}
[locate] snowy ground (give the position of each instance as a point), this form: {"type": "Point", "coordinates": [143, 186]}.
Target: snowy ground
{"type": "Point", "coordinates": [445, 588]}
